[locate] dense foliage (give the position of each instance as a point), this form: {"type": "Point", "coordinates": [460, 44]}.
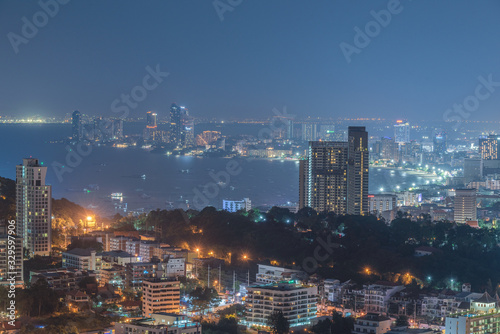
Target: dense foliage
{"type": "Point", "coordinates": [7, 199]}
{"type": "Point", "coordinates": [278, 323]}
{"type": "Point", "coordinates": [362, 248]}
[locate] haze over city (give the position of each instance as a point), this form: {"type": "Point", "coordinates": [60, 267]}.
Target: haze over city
{"type": "Point", "coordinates": [249, 167]}
{"type": "Point", "coordinates": [261, 55]}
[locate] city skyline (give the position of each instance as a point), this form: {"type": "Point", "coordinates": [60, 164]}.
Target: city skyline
{"type": "Point", "coordinates": [239, 167]}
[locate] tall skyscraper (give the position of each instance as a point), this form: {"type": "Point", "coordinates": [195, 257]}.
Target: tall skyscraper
{"type": "Point", "coordinates": [175, 124]}
{"type": "Point", "coordinates": [76, 125]}
{"type": "Point", "coordinates": [323, 177]}
{"type": "Point", "coordinates": [357, 193]}
{"type": "Point", "coordinates": [465, 206]}
{"type": "Point", "coordinates": [187, 130]}
{"type": "Point", "coordinates": [335, 175]}
{"type": "Point", "coordinates": [402, 132]}
{"type": "Point", "coordinates": [440, 144]}
{"type": "Point", "coordinates": [33, 207]}
{"type": "Point", "coordinates": [488, 147]}
{"type": "Point", "coordinates": [151, 120]}
{"type": "Point", "coordinates": [151, 126]}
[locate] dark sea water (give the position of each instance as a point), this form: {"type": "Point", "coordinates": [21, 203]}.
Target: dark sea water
{"type": "Point", "coordinates": [109, 170]}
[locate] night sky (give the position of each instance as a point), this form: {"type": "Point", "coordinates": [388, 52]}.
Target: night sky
{"type": "Point", "coordinates": [263, 54]}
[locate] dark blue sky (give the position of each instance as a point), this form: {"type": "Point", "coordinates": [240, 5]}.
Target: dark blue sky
{"type": "Point", "coordinates": [264, 54]}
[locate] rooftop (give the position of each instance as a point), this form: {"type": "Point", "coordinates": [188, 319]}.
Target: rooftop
{"type": "Point", "coordinates": [80, 251]}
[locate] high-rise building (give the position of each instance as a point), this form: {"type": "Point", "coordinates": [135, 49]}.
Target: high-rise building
{"type": "Point", "coordinates": [151, 126]}
{"type": "Point", "coordinates": [402, 132]}
{"type": "Point", "coordinates": [465, 206]}
{"type": "Point", "coordinates": [323, 177]}
{"type": "Point", "coordinates": [309, 131]}
{"type": "Point", "coordinates": [160, 295]}
{"type": "Point", "coordinates": [289, 128]}
{"type": "Point", "coordinates": [181, 127]}
{"type": "Point", "coordinates": [33, 207]}
{"type": "Point", "coordinates": [151, 120]}
{"type": "Point", "coordinates": [389, 149]}
{"type": "Point", "coordinates": [118, 128]}
{"type": "Point", "coordinates": [175, 124]}
{"type": "Point", "coordinates": [187, 131]}
{"type": "Point", "coordinates": [440, 144]}
{"type": "Point", "coordinates": [335, 175]}
{"type": "Point", "coordinates": [488, 147]}
{"type": "Point", "coordinates": [473, 170]}
{"type": "Point", "coordinates": [76, 125]}
{"type": "Point", "coordinates": [357, 172]}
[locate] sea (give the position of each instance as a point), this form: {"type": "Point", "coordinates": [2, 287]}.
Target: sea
{"type": "Point", "coordinates": [142, 181]}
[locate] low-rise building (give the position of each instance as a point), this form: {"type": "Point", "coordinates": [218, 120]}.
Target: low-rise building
{"type": "Point", "coordinates": [382, 202]}
{"type": "Point", "coordinates": [372, 323]}
{"type": "Point", "coordinates": [235, 206]}
{"type": "Point", "coordinates": [61, 279]}
{"type": "Point", "coordinates": [376, 296]}
{"type": "Point", "coordinates": [273, 274]}
{"type": "Point", "coordinates": [118, 257]}
{"type": "Point", "coordinates": [160, 323]}
{"type": "Point", "coordinates": [81, 259]}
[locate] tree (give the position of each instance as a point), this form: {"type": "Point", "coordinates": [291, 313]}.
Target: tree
{"type": "Point", "coordinates": [204, 298]}
{"type": "Point", "coordinates": [402, 321]}
{"type": "Point", "coordinates": [322, 327]}
{"type": "Point", "coordinates": [278, 323]}
{"type": "Point", "coordinates": [341, 325]}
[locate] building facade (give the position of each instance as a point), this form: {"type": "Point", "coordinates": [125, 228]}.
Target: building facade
{"type": "Point", "coordinates": [357, 173]}
{"type": "Point", "coordinates": [235, 206]}
{"type": "Point", "coordinates": [465, 206]}
{"type": "Point", "coordinates": [297, 302]}
{"type": "Point", "coordinates": [34, 207]}
{"type": "Point", "coordinates": [483, 317]}
{"type": "Point", "coordinates": [488, 147]}
{"type": "Point", "coordinates": [81, 259]}
{"type": "Point", "coordinates": [160, 295]}
{"type": "Point", "coordinates": [402, 132]}
{"type": "Point", "coordinates": [323, 177]}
